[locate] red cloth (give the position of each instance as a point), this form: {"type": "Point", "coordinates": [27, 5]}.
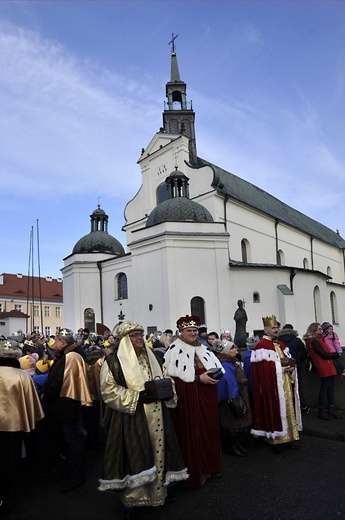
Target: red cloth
{"type": "Point", "coordinates": [266, 408]}
{"type": "Point", "coordinates": [196, 420]}
{"type": "Point", "coordinates": [324, 367]}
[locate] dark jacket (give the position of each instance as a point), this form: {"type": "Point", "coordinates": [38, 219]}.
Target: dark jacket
{"type": "Point", "coordinates": [297, 348]}
{"type": "Point", "coordinates": [60, 409]}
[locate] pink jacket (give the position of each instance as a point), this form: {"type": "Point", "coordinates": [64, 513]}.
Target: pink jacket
{"type": "Point", "coordinates": [332, 340]}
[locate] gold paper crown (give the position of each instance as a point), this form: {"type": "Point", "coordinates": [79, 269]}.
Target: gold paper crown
{"type": "Point", "coordinates": [10, 348]}
{"type": "Point", "coordinates": [65, 332]}
{"type": "Point", "coordinates": [127, 327]}
{"type": "Point", "coordinates": [269, 321]}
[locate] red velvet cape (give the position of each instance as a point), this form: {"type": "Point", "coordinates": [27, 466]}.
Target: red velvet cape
{"type": "Point", "coordinates": [196, 420]}
{"type": "Point", "coordinates": [267, 420]}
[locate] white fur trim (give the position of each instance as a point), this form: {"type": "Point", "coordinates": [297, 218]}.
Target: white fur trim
{"type": "Point", "coordinates": [175, 476]}
{"type": "Point", "coordinates": [179, 360]}
{"type": "Point", "coordinates": [131, 481]}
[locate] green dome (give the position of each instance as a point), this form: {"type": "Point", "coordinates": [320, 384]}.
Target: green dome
{"type": "Point", "coordinates": [178, 209]}
{"type": "Point", "coordinates": [98, 242]}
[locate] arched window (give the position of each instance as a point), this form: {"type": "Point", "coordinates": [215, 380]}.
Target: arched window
{"type": "Point", "coordinates": [121, 287]}
{"type": "Point", "coordinates": [197, 307]}
{"type": "Point", "coordinates": [317, 304]}
{"type": "Point", "coordinates": [256, 297]}
{"type": "Point", "coordinates": [329, 271]}
{"type": "Point", "coordinates": [162, 193]}
{"type": "Point", "coordinates": [280, 258]}
{"type": "Point", "coordinates": [89, 320]}
{"type": "Point", "coordinates": [305, 263]}
{"type": "Point", "coordinates": [245, 251]}
{"type": "Point", "coordinates": [334, 308]}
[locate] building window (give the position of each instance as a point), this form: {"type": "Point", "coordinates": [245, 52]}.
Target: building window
{"type": "Point", "coordinates": [121, 287]}
{"type": "Point", "coordinates": [47, 332]}
{"type": "Point", "coordinates": [36, 329]}
{"type": "Point", "coordinates": [57, 312]}
{"type": "Point", "coordinates": [0, 307]}
{"type": "Point", "coordinates": [18, 307]}
{"type": "Point", "coordinates": [36, 311]}
{"type": "Point", "coordinates": [305, 264]}
{"type": "Point", "coordinates": [162, 193]}
{"type": "Point", "coordinates": [317, 304]}
{"type": "Point", "coordinates": [47, 311]}
{"type": "Point", "coordinates": [329, 272]}
{"type": "Point", "coordinates": [334, 308]}
{"type": "Point", "coordinates": [256, 297]}
{"type": "Point", "coordinates": [197, 308]}
{"type": "Point", "coordinates": [89, 320]}
{"type": "Point", "coordinates": [245, 251]}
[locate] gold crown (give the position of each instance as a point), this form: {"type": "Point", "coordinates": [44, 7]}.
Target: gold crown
{"type": "Point", "coordinates": [188, 321]}
{"type": "Point", "coordinates": [269, 321]}
{"type": "Point", "coordinates": [65, 332]}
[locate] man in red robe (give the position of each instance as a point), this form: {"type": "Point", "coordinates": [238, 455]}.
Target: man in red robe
{"type": "Point", "coordinates": [196, 417]}
{"type": "Point", "coordinates": [276, 407]}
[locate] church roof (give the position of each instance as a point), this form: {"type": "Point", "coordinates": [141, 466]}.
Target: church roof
{"type": "Point", "coordinates": [178, 209]}
{"type": "Point", "coordinates": [98, 242]}
{"type": "Point", "coordinates": [249, 194]}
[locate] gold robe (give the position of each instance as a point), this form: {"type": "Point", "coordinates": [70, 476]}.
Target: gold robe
{"type": "Point", "coordinates": [20, 406]}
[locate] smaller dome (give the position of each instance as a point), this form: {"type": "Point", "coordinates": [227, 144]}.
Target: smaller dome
{"type": "Point", "coordinates": [98, 242]}
{"type": "Point", "coordinates": [176, 174]}
{"type": "Point", "coordinates": [98, 211]}
{"type": "Point", "coordinates": [178, 209]}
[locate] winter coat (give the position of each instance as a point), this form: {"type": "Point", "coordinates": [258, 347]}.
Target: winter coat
{"type": "Point", "coordinates": [321, 357]}
{"type": "Point", "coordinates": [297, 348]}
{"type": "Point", "coordinates": [332, 340]}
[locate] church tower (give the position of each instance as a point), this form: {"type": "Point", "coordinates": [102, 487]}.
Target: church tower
{"type": "Point", "coordinates": [178, 115]}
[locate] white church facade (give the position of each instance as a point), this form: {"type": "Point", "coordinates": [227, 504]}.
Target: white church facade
{"type": "Point", "coordinates": [198, 239]}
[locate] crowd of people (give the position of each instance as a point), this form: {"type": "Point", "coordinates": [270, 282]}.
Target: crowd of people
{"type": "Point", "coordinates": [159, 407]}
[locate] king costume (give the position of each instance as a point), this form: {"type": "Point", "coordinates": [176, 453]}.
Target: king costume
{"type": "Point", "coordinates": [196, 417]}
{"type": "Point", "coordinates": [142, 456]}
{"type": "Point", "coordinates": [20, 409]}
{"type": "Point", "coordinates": [276, 406]}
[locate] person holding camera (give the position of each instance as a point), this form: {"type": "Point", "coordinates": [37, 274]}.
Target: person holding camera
{"type": "Point", "coordinates": [195, 370]}
{"type": "Point", "coordinates": [141, 455]}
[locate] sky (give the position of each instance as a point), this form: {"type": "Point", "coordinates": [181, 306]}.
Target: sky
{"type": "Point", "coordinates": [82, 91]}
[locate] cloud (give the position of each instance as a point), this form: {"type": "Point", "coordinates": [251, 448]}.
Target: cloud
{"type": "Point", "coordinates": [65, 122]}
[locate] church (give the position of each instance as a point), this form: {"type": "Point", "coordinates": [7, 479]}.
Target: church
{"type": "Point", "coordinates": [198, 239]}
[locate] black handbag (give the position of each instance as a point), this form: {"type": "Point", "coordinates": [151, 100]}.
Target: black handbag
{"type": "Point", "coordinates": [159, 388]}
{"type": "Point", "coordinates": [238, 406]}
{"type": "Point", "coordinates": [215, 373]}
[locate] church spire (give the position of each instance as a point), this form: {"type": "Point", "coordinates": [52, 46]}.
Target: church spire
{"type": "Point", "coordinates": [175, 73]}
{"type": "Point", "coordinates": [178, 117]}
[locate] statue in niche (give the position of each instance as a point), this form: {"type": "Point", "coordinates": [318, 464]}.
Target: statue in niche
{"type": "Point", "coordinates": [241, 319]}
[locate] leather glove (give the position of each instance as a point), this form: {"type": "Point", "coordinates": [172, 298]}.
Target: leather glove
{"type": "Point", "coordinates": [145, 398]}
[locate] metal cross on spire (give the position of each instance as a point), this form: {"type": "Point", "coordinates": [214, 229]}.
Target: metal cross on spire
{"type": "Point", "coordinates": [173, 38]}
